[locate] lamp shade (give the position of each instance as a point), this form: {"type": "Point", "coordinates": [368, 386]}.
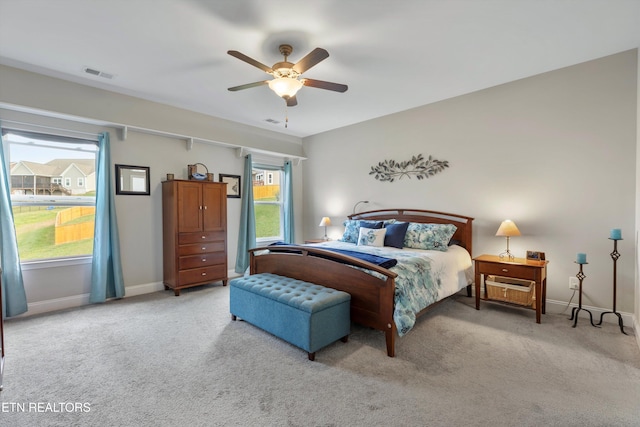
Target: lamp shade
{"type": "Point", "coordinates": [285, 86]}
{"type": "Point", "coordinates": [508, 228]}
{"type": "Point", "coordinates": [324, 222]}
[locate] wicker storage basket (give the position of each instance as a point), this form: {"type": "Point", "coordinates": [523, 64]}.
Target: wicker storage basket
{"type": "Point", "coordinates": [508, 289]}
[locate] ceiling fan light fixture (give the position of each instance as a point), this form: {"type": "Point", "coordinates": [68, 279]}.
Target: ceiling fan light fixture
{"type": "Point", "coordinates": [285, 86]}
{"type": "Point", "coordinates": [286, 75]}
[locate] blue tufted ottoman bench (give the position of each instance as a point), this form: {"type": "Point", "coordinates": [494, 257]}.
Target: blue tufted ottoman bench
{"type": "Point", "coordinates": [304, 314]}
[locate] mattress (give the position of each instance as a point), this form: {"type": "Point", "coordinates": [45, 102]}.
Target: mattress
{"type": "Point", "coordinates": [424, 276]}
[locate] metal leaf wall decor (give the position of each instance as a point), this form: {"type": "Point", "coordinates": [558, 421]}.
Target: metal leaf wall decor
{"type": "Point", "coordinates": [389, 170]}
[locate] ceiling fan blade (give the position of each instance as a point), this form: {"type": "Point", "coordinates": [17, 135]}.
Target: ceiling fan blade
{"type": "Point", "coordinates": [292, 101]}
{"type": "Point", "coordinates": [336, 87]}
{"type": "Point", "coordinates": [248, 85]}
{"type": "Point", "coordinates": [315, 56]}
{"type": "Point", "coordinates": [245, 58]}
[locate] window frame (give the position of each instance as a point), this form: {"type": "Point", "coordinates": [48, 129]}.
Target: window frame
{"type": "Point", "coordinates": [267, 172]}
{"type": "Point", "coordinates": [40, 139]}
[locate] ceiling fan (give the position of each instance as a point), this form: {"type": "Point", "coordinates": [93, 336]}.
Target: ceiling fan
{"type": "Point", "coordinates": [286, 81]}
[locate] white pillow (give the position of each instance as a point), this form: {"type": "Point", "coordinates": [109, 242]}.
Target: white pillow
{"type": "Point", "coordinates": [371, 236]}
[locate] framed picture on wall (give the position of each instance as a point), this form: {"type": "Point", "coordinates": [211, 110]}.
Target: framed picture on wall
{"type": "Point", "coordinates": [233, 185]}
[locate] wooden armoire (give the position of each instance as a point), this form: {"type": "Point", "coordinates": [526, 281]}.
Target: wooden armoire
{"type": "Point", "coordinates": [194, 218]}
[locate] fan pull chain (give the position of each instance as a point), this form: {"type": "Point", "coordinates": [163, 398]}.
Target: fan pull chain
{"type": "Point", "coordinates": [286, 116]}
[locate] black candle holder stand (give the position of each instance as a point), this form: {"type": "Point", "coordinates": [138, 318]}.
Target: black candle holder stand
{"type": "Point", "coordinates": [614, 256]}
{"type": "Point", "coordinates": [576, 310]}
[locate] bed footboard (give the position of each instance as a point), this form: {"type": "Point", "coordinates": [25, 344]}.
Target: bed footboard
{"type": "Point", "coordinates": [372, 297]}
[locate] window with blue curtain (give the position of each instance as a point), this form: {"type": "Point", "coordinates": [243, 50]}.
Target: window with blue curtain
{"type": "Point", "coordinates": [267, 208]}
{"type": "Point", "coordinates": [67, 188]}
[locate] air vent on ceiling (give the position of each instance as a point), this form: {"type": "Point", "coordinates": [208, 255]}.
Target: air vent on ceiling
{"type": "Point", "coordinates": [272, 121]}
{"type": "Point", "coordinates": [98, 73]}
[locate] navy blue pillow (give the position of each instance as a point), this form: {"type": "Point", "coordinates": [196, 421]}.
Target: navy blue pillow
{"type": "Point", "coordinates": [454, 242]}
{"type": "Point", "coordinates": [371, 224]}
{"type": "Point", "coordinates": [394, 236]}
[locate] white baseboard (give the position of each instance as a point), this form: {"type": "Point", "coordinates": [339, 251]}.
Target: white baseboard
{"type": "Point", "coordinates": [47, 306]}
{"type": "Point", "coordinates": [628, 319]}
{"type": "Point", "coordinates": [559, 307]}
{"type": "Point", "coordinates": [146, 288]}
{"type": "Point", "coordinates": [553, 306]}
{"type": "Point", "coordinates": [73, 301]}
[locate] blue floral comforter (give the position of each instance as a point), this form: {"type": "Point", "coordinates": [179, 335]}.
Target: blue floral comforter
{"type": "Point", "coordinates": [424, 277]}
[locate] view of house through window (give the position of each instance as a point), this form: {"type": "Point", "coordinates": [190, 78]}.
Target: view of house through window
{"type": "Point", "coordinates": [267, 203]}
{"type": "Point", "coordinates": [52, 184]}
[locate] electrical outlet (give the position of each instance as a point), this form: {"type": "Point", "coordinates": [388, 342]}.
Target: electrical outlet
{"type": "Point", "coordinates": [574, 284]}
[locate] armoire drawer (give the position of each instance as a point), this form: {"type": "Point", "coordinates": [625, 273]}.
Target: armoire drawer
{"type": "Point", "coordinates": [200, 248]}
{"type": "Point", "coordinates": [202, 260]}
{"type": "Point", "coordinates": [201, 236]}
{"type": "Point", "coordinates": [202, 275]}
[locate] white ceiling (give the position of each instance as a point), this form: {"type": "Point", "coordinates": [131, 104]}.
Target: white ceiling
{"type": "Point", "coordinates": [393, 54]}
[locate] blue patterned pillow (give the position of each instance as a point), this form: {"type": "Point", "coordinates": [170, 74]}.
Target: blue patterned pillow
{"type": "Point", "coordinates": [352, 229]}
{"type": "Point", "coordinates": [429, 236]}
{"type": "Point", "coordinates": [371, 224]}
{"type": "Point", "coordinates": [371, 236]}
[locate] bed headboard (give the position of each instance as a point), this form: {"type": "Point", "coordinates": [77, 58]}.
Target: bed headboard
{"type": "Point", "coordinates": [464, 224]}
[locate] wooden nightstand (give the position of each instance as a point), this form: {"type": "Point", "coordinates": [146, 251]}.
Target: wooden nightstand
{"type": "Point", "coordinates": [518, 268]}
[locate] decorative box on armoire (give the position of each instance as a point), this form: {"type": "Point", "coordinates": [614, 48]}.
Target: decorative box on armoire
{"type": "Point", "coordinates": [194, 228]}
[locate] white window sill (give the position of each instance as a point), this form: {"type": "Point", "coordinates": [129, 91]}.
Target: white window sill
{"type": "Point", "coordinates": [54, 263]}
{"type": "Point", "coordinates": [267, 242]}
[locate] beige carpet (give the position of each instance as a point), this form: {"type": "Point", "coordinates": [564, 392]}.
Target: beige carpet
{"type": "Point", "coordinates": [160, 360]}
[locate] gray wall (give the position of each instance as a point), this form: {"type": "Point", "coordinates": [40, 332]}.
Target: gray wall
{"type": "Point", "coordinates": [556, 153]}
{"type": "Point", "coordinates": [43, 101]}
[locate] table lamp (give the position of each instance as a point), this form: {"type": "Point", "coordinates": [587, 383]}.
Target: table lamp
{"type": "Point", "coordinates": [324, 222]}
{"type": "Point", "coordinates": [507, 229]}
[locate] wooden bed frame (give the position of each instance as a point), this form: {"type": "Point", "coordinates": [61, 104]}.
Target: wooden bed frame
{"type": "Point", "coordinates": [372, 298]}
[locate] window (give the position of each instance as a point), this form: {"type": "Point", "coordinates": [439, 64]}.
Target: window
{"type": "Point", "coordinates": [52, 221]}
{"type": "Point", "coordinates": [267, 204]}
